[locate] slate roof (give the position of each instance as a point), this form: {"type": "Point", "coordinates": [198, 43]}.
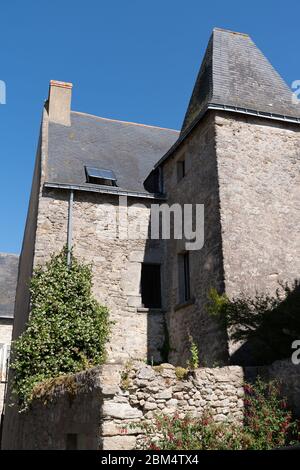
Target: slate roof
{"type": "Point", "coordinates": [235, 73]}
{"type": "Point", "coordinates": [130, 150]}
{"type": "Point", "coordinates": [8, 282]}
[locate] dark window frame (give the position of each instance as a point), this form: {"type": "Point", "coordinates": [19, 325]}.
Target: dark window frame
{"type": "Point", "coordinates": [184, 277]}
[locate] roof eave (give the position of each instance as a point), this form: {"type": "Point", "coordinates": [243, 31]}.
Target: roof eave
{"type": "Point", "coordinates": [101, 189]}
{"type": "Point", "coordinates": [227, 108]}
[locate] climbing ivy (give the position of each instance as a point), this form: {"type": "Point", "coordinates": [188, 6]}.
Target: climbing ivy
{"type": "Point", "coordinates": [67, 329]}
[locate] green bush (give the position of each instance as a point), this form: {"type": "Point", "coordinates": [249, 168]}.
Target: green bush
{"type": "Point", "coordinates": [67, 329]}
{"type": "Point", "coordinates": [268, 424]}
{"type": "Point", "coordinates": [193, 362]}
{"type": "Point", "coordinates": [267, 325]}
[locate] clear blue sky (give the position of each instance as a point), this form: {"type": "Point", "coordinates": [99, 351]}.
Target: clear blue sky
{"type": "Point", "coordinates": [134, 60]}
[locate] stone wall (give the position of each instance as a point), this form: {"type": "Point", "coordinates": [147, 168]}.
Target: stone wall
{"type": "Point", "coordinates": [99, 405]}
{"type": "Point", "coordinates": [245, 170]}
{"type": "Point", "coordinates": [73, 408]}
{"type": "Point", "coordinates": [6, 326]}
{"type": "Point", "coordinates": [8, 282]}
{"type": "Point", "coordinates": [259, 180]}
{"type": "Point", "coordinates": [116, 263]}
{"type": "Point", "coordinates": [199, 186]}
{"type": "Point", "coordinates": [147, 391]}
{"type": "Point", "coordinates": [94, 409]}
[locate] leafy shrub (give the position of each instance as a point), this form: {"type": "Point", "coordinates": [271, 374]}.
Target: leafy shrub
{"type": "Point", "coordinates": [67, 328]}
{"type": "Point", "coordinates": [267, 419]}
{"type": "Point", "coordinates": [268, 324]}
{"type": "Point", "coordinates": [193, 363]}
{"type": "Point", "coordinates": [268, 424]}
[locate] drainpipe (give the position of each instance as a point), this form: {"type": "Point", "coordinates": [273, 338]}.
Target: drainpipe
{"type": "Point", "coordinates": [70, 227]}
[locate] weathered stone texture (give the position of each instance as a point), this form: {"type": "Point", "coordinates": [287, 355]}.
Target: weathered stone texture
{"type": "Point", "coordinates": [116, 264]}
{"type": "Point", "coordinates": [8, 283]}
{"type": "Point", "coordinates": [6, 326]}
{"type": "Point", "coordinates": [105, 405]}
{"type": "Point", "coordinates": [259, 180]}
{"type": "Point", "coordinates": [199, 186]}
{"type": "Point", "coordinates": [245, 171]}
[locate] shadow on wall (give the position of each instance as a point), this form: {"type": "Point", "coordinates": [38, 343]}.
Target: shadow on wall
{"type": "Point", "coordinates": [276, 325]}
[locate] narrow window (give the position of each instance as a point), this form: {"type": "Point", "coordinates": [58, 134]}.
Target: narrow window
{"type": "Point", "coordinates": [71, 442]}
{"type": "Point", "coordinates": [181, 169]}
{"type": "Point", "coordinates": [151, 285]}
{"type": "Point", "coordinates": [184, 277]}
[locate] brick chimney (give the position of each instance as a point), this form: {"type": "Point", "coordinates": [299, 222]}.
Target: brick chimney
{"type": "Point", "coordinates": [60, 94]}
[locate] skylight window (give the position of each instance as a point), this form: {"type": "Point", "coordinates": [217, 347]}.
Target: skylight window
{"type": "Point", "coordinates": [100, 176]}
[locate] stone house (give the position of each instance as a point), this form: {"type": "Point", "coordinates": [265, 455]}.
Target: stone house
{"type": "Point", "coordinates": [237, 154]}
{"type": "Point", "coordinates": [8, 283]}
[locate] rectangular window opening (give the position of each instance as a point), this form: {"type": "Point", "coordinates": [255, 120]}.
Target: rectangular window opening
{"type": "Point", "coordinates": [151, 285]}
{"type": "Point", "coordinates": [184, 277]}
{"type": "Point", "coordinates": [181, 169]}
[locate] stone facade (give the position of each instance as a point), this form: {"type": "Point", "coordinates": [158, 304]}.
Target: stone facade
{"type": "Point", "coordinates": [8, 282]}
{"type": "Point", "coordinates": [148, 391]}
{"type": "Point", "coordinates": [245, 172]}
{"type": "Point", "coordinates": [6, 326]}
{"type": "Point", "coordinates": [242, 169]}
{"type": "Point", "coordinates": [94, 409]}
{"type": "Point", "coordinates": [199, 186]}
{"type": "Point", "coordinates": [258, 173]}
{"type": "Point", "coordinates": [137, 332]}
{"type": "Point", "coordinates": [259, 180]}
{"type": "Point", "coordinates": [99, 405]}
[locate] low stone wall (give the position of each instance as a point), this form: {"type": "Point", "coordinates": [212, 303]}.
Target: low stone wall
{"type": "Point", "coordinates": [94, 409]}
{"type": "Point", "coordinates": [147, 390]}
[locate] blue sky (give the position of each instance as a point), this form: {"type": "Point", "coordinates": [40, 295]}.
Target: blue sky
{"type": "Point", "coordinates": [133, 60]}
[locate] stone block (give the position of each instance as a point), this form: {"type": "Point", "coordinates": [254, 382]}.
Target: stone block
{"type": "Point", "coordinates": [119, 443]}
{"type": "Point", "coordinates": [120, 410]}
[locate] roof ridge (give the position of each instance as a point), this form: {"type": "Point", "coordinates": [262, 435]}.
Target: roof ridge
{"type": "Point", "coordinates": [125, 122]}
{"type": "Point", "coordinates": [224, 30]}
